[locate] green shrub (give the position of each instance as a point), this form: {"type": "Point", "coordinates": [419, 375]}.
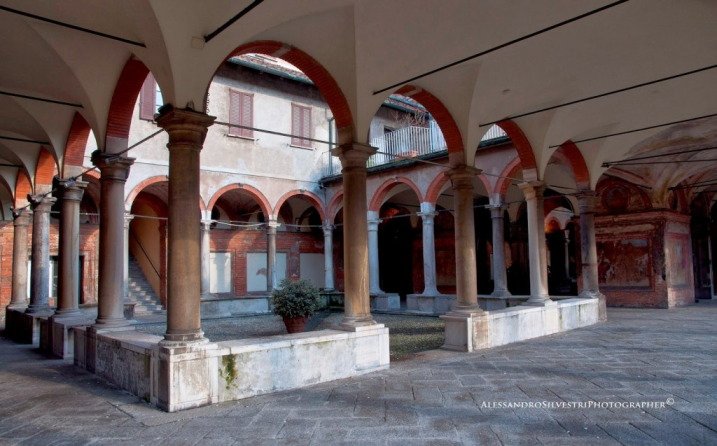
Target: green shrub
{"type": "Point", "coordinates": [295, 298]}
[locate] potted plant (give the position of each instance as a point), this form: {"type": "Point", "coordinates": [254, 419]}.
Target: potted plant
{"type": "Point", "coordinates": [295, 301]}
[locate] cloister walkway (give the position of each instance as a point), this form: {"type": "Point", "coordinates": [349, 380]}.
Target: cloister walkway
{"type": "Point", "coordinates": [667, 358]}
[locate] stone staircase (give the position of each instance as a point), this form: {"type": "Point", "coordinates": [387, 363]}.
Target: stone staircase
{"type": "Point", "coordinates": [140, 292]}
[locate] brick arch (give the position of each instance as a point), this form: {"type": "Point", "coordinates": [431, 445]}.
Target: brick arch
{"type": "Point", "coordinates": [124, 98]}
{"type": "Point", "coordinates": [504, 181]}
{"type": "Point", "coordinates": [23, 187]}
{"type": "Point", "coordinates": [46, 168]}
{"type": "Point", "coordinates": [521, 143]}
{"type": "Point", "coordinates": [380, 195]}
{"type": "Point", "coordinates": [256, 193]}
{"type": "Point", "coordinates": [308, 196]}
{"type": "Point", "coordinates": [334, 205]}
{"type": "Point", "coordinates": [569, 155]}
{"type": "Point", "coordinates": [160, 208]}
{"type": "Point", "coordinates": [440, 113]}
{"type": "Point", "coordinates": [76, 143]}
{"type": "Point", "coordinates": [319, 75]}
{"type": "Point", "coordinates": [129, 201]}
{"type": "Point", "coordinates": [435, 188]}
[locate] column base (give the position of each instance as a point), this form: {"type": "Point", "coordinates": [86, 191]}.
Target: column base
{"type": "Point", "coordinates": [40, 310]}
{"type": "Point", "coordinates": [539, 301]}
{"type": "Point", "coordinates": [181, 340]}
{"type": "Point", "coordinates": [357, 323]}
{"type": "Point", "coordinates": [501, 293]}
{"type": "Point", "coordinates": [385, 301]}
{"type": "Point", "coordinates": [112, 323]}
{"type": "Point", "coordinates": [435, 304]}
{"type": "Point", "coordinates": [460, 329]}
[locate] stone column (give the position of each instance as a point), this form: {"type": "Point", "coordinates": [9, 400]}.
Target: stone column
{"type": "Point", "coordinates": [125, 282]}
{"type": "Point", "coordinates": [40, 264]}
{"type": "Point", "coordinates": [427, 214]}
{"type": "Point", "coordinates": [206, 248]}
{"type": "Point", "coordinates": [466, 274]}
{"type": "Point", "coordinates": [373, 265]}
{"type": "Point", "coordinates": [533, 192]}
{"type": "Point", "coordinates": [328, 256]}
{"type": "Point", "coordinates": [500, 277]}
{"type": "Point", "coordinates": [114, 170]}
{"type": "Point", "coordinates": [18, 301]}
{"type": "Point", "coordinates": [271, 255]}
{"type": "Point", "coordinates": [566, 234]}
{"type": "Point", "coordinates": [68, 301]}
{"type": "Point", "coordinates": [187, 130]}
{"type": "Point", "coordinates": [588, 251]}
{"type": "Point", "coordinates": [357, 311]}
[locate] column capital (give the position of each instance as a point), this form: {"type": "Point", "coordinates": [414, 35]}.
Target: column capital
{"type": "Point", "coordinates": [461, 176]}
{"type": "Point", "coordinates": [586, 201]}
{"type": "Point", "coordinates": [186, 128]}
{"type": "Point", "coordinates": [496, 210]}
{"type": "Point", "coordinates": [207, 225]}
{"type": "Point", "coordinates": [327, 227]}
{"type": "Point", "coordinates": [127, 219]}
{"type": "Point", "coordinates": [112, 166]}
{"type": "Point", "coordinates": [272, 225]}
{"type": "Point", "coordinates": [72, 189]}
{"type": "Point", "coordinates": [532, 189]}
{"type": "Point", "coordinates": [41, 203]}
{"type": "Point", "coordinates": [353, 154]}
{"type": "Point", "coordinates": [427, 217]}
{"type": "Point", "coordinates": [21, 217]}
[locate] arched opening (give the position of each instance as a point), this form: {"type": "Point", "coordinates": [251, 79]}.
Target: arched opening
{"type": "Point", "coordinates": [147, 244]}
{"type": "Point", "coordinates": [299, 239]}
{"type": "Point", "coordinates": [238, 241]}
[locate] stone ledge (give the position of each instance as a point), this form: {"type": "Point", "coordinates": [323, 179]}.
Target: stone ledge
{"type": "Point", "coordinates": [514, 324]}
{"type": "Point", "coordinates": [182, 378]}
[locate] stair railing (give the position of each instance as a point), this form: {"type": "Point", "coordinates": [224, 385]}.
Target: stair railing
{"type": "Point", "coordinates": [134, 237]}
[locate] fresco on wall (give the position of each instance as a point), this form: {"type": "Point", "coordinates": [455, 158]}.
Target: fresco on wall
{"type": "Point", "coordinates": [624, 263]}
{"type": "Point", "coordinates": [677, 262]}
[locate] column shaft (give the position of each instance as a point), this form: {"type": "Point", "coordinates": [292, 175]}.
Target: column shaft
{"type": "Point", "coordinates": [271, 255]}
{"type": "Point", "coordinates": [427, 215]}
{"type": "Point", "coordinates": [374, 273]}
{"type": "Point", "coordinates": [206, 247]}
{"type": "Point", "coordinates": [328, 256]}
{"type": "Point", "coordinates": [40, 266]}
{"type": "Point", "coordinates": [589, 261]}
{"type": "Point", "coordinates": [69, 265]}
{"type": "Point", "coordinates": [125, 273]}
{"type": "Point", "coordinates": [187, 130]}
{"type": "Point", "coordinates": [536, 243]}
{"type": "Point", "coordinates": [19, 259]}
{"type": "Point", "coordinates": [114, 170]}
{"type": "Point", "coordinates": [356, 280]}
{"type": "Point", "coordinates": [500, 277]}
{"type": "Point", "coordinates": [466, 273]}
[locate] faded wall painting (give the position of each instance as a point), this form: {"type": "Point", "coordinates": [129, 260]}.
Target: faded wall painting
{"type": "Point", "coordinates": [624, 263]}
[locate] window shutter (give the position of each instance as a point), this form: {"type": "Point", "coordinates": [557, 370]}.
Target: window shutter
{"type": "Point", "coordinates": [234, 112]}
{"type": "Point", "coordinates": [306, 126]}
{"type": "Point", "coordinates": [295, 125]}
{"type": "Point", "coordinates": [247, 114]}
{"type": "Point", "coordinates": [147, 98]}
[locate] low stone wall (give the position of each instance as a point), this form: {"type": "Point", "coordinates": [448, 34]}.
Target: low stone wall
{"type": "Point", "coordinates": [185, 377]}
{"type": "Point", "coordinates": [232, 306]}
{"type": "Point", "coordinates": [515, 324]}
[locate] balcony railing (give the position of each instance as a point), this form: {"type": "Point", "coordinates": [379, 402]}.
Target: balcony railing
{"type": "Point", "coordinates": [405, 143]}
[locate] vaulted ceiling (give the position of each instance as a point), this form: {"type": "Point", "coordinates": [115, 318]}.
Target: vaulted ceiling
{"type": "Point", "coordinates": [545, 53]}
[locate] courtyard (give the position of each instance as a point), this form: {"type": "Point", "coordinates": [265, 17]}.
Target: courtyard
{"type": "Point", "coordinates": [570, 388]}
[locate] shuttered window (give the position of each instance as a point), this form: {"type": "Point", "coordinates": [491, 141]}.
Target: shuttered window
{"type": "Point", "coordinates": [241, 112]}
{"type": "Point", "coordinates": [300, 125]}
{"type": "Point", "coordinates": [148, 99]}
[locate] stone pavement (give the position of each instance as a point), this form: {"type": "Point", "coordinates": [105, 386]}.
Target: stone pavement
{"type": "Point", "coordinates": [653, 356]}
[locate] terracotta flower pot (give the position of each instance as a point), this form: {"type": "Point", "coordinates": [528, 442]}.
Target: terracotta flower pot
{"type": "Point", "coordinates": [295, 324]}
